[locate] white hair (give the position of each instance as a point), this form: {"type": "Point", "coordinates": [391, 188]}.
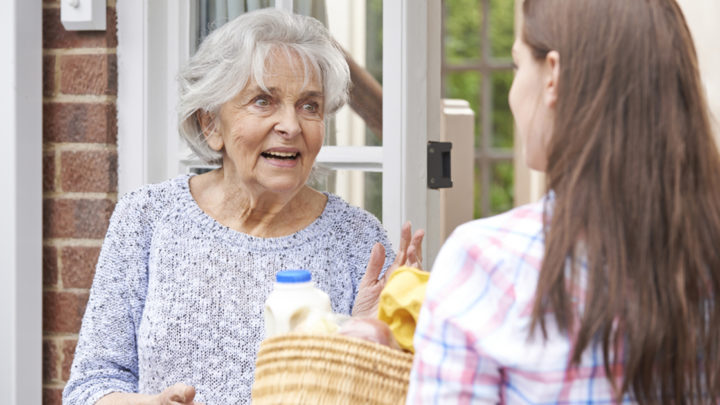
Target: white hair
{"type": "Point", "coordinates": [230, 55]}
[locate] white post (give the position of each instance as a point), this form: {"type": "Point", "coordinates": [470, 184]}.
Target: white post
{"type": "Point", "coordinates": [21, 205]}
{"type": "Point", "coordinates": [456, 203]}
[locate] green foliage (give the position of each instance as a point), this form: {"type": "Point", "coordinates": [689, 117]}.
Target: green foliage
{"type": "Point", "coordinates": [502, 28]}
{"type": "Point", "coordinates": [502, 119]}
{"type": "Point", "coordinates": [463, 39]}
{"type": "Point", "coordinates": [462, 30]}
{"type": "Point", "coordinates": [501, 189]}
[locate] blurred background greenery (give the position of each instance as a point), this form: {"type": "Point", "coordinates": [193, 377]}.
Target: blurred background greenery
{"type": "Point", "coordinates": [470, 59]}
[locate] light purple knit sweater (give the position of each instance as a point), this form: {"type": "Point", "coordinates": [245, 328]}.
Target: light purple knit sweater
{"type": "Point", "coordinates": [178, 297]}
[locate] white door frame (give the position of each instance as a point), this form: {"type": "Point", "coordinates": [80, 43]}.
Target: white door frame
{"type": "Point", "coordinates": [149, 57]}
{"type": "Point", "coordinates": [411, 117]}
{"type": "Point", "coordinates": [21, 208]}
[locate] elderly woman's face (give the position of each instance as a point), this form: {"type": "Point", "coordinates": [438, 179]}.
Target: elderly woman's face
{"type": "Point", "coordinates": [270, 138]}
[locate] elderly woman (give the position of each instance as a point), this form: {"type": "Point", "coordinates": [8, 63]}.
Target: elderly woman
{"type": "Point", "coordinates": [176, 309]}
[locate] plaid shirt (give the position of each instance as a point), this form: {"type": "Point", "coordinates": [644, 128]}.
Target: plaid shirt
{"type": "Point", "coordinates": [472, 342]}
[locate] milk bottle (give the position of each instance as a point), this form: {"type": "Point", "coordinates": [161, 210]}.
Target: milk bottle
{"type": "Point", "coordinates": [294, 300]}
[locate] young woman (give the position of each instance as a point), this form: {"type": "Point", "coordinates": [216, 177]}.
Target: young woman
{"type": "Point", "coordinates": [608, 290]}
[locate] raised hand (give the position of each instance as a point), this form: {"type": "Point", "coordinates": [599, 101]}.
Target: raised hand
{"type": "Point", "coordinates": [371, 285]}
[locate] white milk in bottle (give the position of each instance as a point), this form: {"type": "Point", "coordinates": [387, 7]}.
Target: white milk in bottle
{"type": "Point", "coordinates": [294, 300]}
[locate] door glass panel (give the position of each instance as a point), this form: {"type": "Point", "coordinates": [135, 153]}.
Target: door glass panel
{"type": "Point", "coordinates": [357, 26]}
{"type": "Point", "coordinates": [359, 188]}
{"type": "Point", "coordinates": [214, 13]}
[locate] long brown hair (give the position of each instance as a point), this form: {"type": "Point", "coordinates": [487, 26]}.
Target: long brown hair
{"type": "Point", "coordinates": [635, 173]}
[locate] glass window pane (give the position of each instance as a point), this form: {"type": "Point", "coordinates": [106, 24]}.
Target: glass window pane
{"type": "Point", "coordinates": [213, 13]}
{"type": "Point", "coordinates": [502, 119]}
{"type": "Point", "coordinates": [357, 26]}
{"type": "Point", "coordinates": [358, 188]}
{"type": "Point", "coordinates": [502, 28]}
{"type": "Point", "coordinates": [462, 36]}
{"type": "Point", "coordinates": [466, 86]}
{"type": "Point", "coordinates": [501, 188]}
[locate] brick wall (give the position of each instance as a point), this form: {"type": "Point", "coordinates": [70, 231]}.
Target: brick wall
{"type": "Point", "coordinates": [79, 178]}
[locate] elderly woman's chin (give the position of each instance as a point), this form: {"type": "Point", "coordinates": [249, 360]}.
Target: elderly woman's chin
{"type": "Point", "coordinates": [283, 184]}
{"type": "Point", "coordinates": [282, 175]}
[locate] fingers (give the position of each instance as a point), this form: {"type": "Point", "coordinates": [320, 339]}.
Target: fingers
{"type": "Point", "coordinates": [375, 264]}
{"type": "Point", "coordinates": [179, 393]}
{"type": "Point", "coordinates": [416, 243]}
{"type": "Point", "coordinates": [189, 394]}
{"type": "Point", "coordinates": [413, 259]}
{"type": "Point", "coordinates": [405, 236]}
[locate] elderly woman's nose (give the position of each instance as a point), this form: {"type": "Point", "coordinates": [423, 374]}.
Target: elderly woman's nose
{"type": "Point", "coordinates": [288, 123]}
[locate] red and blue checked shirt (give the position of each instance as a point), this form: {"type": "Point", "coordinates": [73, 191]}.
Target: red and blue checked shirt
{"type": "Point", "coordinates": [472, 342]}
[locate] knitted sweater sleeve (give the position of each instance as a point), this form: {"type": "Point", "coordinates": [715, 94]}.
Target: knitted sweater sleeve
{"type": "Point", "coordinates": [106, 355]}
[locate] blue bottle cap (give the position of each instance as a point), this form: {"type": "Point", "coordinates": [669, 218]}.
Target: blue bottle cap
{"type": "Point", "coordinates": [293, 276]}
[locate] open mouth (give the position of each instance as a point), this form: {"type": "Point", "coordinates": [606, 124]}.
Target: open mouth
{"type": "Point", "coordinates": [280, 155]}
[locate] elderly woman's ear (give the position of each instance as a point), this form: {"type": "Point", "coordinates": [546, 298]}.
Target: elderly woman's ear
{"type": "Point", "coordinates": [210, 130]}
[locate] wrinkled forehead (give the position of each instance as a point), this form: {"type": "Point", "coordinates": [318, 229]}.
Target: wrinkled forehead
{"type": "Point", "coordinates": [287, 65]}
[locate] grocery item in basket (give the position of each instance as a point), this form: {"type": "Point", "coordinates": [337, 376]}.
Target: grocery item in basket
{"type": "Point", "coordinates": [328, 323]}
{"type": "Point", "coordinates": [400, 303]}
{"type": "Point", "coordinates": [294, 301]}
{"type": "Point", "coordinates": [369, 329]}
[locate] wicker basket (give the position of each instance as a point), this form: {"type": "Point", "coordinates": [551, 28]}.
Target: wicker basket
{"type": "Point", "coordinates": [329, 369]}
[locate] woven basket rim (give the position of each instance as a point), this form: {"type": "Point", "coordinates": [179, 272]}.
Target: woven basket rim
{"type": "Point", "coordinates": [329, 338]}
{"type": "Point", "coordinates": [304, 368]}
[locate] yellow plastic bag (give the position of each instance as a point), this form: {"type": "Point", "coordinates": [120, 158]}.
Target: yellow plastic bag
{"type": "Point", "coordinates": [400, 303]}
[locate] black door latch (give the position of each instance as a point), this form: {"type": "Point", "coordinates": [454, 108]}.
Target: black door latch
{"type": "Point", "coordinates": [438, 165]}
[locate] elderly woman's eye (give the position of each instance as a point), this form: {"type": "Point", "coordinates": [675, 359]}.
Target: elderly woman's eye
{"type": "Point", "coordinates": [262, 101]}
{"type": "Point", "coordinates": [310, 107]}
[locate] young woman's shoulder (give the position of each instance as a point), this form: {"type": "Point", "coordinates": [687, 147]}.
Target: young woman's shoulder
{"type": "Point", "coordinates": [511, 230]}
{"type": "Point", "coordinates": [501, 249]}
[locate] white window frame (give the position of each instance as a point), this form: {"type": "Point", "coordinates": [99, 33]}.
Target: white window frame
{"type": "Point", "coordinates": [21, 209]}
{"type": "Point", "coordinates": [147, 123]}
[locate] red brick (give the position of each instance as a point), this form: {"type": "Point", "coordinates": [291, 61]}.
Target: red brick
{"type": "Point", "coordinates": [50, 266]}
{"type": "Point", "coordinates": [52, 396]}
{"type": "Point", "coordinates": [88, 74]}
{"type": "Point", "coordinates": [89, 171]}
{"type": "Point", "coordinates": [68, 351]}
{"type": "Point", "coordinates": [76, 218]}
{"type": "Point", "coordinates": [48, 75]}
{"type": "Point", "coordinates": [51, 361]}
{"type": "Point", "coordinates": [78, 266]}
{"type": "Point", "coordinates": [63, 311]}
{"type": "Point", "coordinates": [48, 167]}
{"type": "Point", "coordinates": [80, 122]}
{"type": "Point", "coordinates": [55, 36]}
